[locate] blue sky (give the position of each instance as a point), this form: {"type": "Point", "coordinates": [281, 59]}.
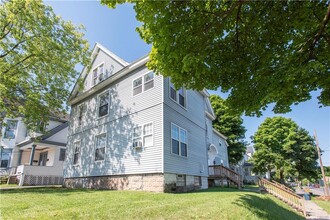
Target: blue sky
{"type": "Point", "coordinates": [116, 30]}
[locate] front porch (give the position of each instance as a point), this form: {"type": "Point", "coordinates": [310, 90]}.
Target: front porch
{"type": "Point", "coordinates": [28, 175]}
{"type": "Point", "coordinates": [39, 164]}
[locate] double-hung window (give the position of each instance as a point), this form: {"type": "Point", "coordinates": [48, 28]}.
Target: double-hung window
{"type": "Point", "coordinates": [143, 83]}
{"type": "Point", "coordinates": [76, 155]}
{"type": "Point", "coordinates": [80, 114]}
{"type": "Point", "coordinates": [104, 101]}
{"type": "Point", "coordinates": [179, 140]}
{"type": "Point", "coordinates": [62, 154]}
{"type": "Point", "coordinates": [179, 96]}
{"type": "Point", "coordinates": [143, 135]}
{"type": "Point", "coordinates": [100, 144]}
{"type": "Point", "coordinates": [10, 129]}
{"type": "Point", "coordinates": [137, 86]}
{"type": "Point", "coordinates": [98, 74]}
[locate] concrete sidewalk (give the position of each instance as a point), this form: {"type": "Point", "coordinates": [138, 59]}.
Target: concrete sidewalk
{"type": "Point", "coordinates": [315, 212]}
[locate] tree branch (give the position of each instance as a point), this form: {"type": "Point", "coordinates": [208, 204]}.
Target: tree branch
{"type": "Point", "coordinates": [19, 62]}
{"type": "Point", "coordinates": [4, 28]}
{"type": "Point", "coordinates": [13, 48]}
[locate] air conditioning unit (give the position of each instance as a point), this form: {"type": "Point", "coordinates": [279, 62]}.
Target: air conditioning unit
{"type": "Point", "coordinates": [137, 144]}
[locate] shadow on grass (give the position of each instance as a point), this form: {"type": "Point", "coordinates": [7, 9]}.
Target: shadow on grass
{"type": "Point", "coordinates": [217, 189]}
{"type": "Point", "coordinates": [265, 208]}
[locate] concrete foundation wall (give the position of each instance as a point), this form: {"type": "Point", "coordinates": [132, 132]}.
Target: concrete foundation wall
{"type": "Point", "coordinates": [156, 182]}
{"type": "Point", "coordinates": [143, 182]}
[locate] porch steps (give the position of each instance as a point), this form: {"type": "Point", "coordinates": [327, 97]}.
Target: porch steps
{"type": "Point", "coordinates": [222, 173]}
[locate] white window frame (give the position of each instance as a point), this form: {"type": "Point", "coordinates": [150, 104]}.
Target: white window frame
{"type": "Point", "coordinates": [98, 73]}
{"type": "Point", "coordinates": [98, 104]}
{"type": "Point", "coordinates": [98, 147]}
{"type": "Point", "coordinates": [180, 141]}
{"type": "Point", "coordinates": [142, 135]}
{"type": "Point", "coordinates": [143, 83]}
{"type": "Point", "coordinates": [177, 95]}
{"type": "Point", "coordinates": [76, 144]}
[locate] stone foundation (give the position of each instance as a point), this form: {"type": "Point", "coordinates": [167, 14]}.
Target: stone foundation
{"type": "Point", "coordinates": [157, 182]}
{"type": "Point", "coordinates": [143, 182]}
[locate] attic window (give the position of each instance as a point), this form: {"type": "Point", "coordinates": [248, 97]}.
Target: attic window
{"type": "Point", "coordinates": [98, 74]}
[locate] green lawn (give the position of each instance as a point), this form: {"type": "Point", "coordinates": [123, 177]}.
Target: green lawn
{"type": "Point", "coordinates": [215, 203]}
{"type": "Point", "coordinates": [323, 204]}
{"type": "Point", "coordinates": [8, 185]}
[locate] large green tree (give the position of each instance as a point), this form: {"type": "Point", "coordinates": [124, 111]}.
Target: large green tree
{"type": "Point", "coordinates": [282, 146]}
{"type": "Point", "coordinates": [231, 126]}
{"type": "Point", "coordinates": [261, 52]}
{"type": "Point", "coordinates": [38, 54]}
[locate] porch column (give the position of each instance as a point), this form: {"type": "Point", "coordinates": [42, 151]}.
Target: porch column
{"type": "Point", "coordinates": [32, 154]}
{"type": "Point", "coordinates": [19, 157]}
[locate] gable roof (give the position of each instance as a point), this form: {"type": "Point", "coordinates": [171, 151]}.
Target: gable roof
{"type": "Point", "coordinates": [97, 47]}
{"type": "Point", "coordinates": [44, 137]}
{"type": "Point", "coordinates": [126, 70]}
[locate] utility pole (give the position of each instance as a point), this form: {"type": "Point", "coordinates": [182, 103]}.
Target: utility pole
{"type": "Point", "coordinates": [326, 188]}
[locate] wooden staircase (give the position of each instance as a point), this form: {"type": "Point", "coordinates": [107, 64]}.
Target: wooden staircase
{"type": "Point", "coordinates": [283, 193]}
{"type": "Point", "coordinates": [222, 173]}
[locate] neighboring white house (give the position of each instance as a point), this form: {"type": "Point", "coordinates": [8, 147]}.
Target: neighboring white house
{"type": "Point", "coordinates": [244, 167]}
{"type": "Point", "coordinates": [131, 129]}
{"type": "Point", "coordinates": [34, 158]}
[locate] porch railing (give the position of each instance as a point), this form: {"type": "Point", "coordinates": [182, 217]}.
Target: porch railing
{"type": "Point", "coordinates": [219, 171]}
{"type": "Point", "coordinates": [285, 195]}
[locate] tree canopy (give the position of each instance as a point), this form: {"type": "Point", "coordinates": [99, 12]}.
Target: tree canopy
{"type": "Point", "coordinates": [261, 52]}
{"type": "Point", "coordinates": [38, 54]}
{"type": "Point", "coordinates": [230, 125]}
{"type": "Point", "coordinates": [283, 146]}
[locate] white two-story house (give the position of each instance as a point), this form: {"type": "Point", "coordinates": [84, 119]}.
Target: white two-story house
{"type": "Point", "coordinates": [131, 129]}
{"type": "Point", "coordinates": [33, 158]}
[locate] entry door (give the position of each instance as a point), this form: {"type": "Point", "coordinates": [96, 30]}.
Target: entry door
{"type": "Point", "coordinates": [43, 159]}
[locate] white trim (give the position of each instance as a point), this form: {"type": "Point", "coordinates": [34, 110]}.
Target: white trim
{"type": "Point", "coordinates": [83, 114]}
{"type": "Point", "coordinates": [162, 121]}
{"type": "Point", "coordinates": [142, 135]}
{"type": "Point", "coordinates": [112, 55]}
{"type": "Point", "coordinates": [92, 75]}
{"type": "Point", "coordinates": [180, 128]}
{"type": "Point", "coordinates": [138, 63]}
{"type": "Point", "coordinates": [73, 99]}
{"type": "Point", "coordinates": [74, 153]}
{"type": "Point", "coordinates": [216, 149]}
{"type": "Point", "coordinates": [209, 115]}
{"type": "Point", "coordinates": [143, 82]}
{"type": "Point", "coordinates": [221, 135]}
{"type": "Point", "coordinates": [98, 104]}
{"type": "Point", "coordinates": [105, 147]}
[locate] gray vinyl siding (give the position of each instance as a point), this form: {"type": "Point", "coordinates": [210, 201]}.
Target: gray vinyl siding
{"type": "Point", "coordinates": [120, 157]}
{"type": "Point", "coordinates": [111, 66]}
{"type": "Point", "coordinates": [126, 111]}
{"type": "Point", "coordinates": [222, 150]}
{"type": "Point", "coordinates": [196, 161]}
{"type": "Point", "coordinates": [195, 106]}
